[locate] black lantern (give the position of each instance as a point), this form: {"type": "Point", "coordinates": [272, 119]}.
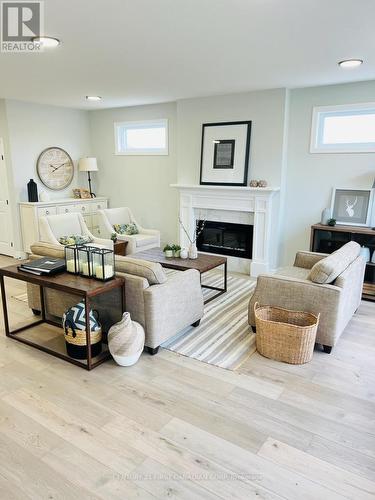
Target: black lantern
{"type": "Point", "coordinates": [103, 263]}
{"type": "Point", "coordinates": [71, 259]}
{"type": "Point", "coordinates": [85, 261]}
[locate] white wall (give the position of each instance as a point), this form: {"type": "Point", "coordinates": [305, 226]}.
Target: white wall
{"type": "Point", "coordinates": [311, 177]}
{"type": "Point", "coordinates": [139, 182]}
{"type": "Point", "coordinates": [34, 127]}
{"type": "Point", "coordinates": [266, 110]}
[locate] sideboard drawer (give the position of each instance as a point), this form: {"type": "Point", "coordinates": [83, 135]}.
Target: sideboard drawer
{"type": "Point", "coordinates": [83, 208]}
{"type": "Point", "coordinates": [65, 209]}
{"type": "Point", "coordinates": [42, 211]}
{"type": "Point", "coordinates": [98, 205]}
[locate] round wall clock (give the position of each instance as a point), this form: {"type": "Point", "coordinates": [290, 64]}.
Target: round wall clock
{"type": "Point", "coordinates": [55, 168]}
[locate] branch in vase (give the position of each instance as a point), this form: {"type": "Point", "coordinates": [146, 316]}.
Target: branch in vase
{"type": "Point", "coordinates": [184, 229]}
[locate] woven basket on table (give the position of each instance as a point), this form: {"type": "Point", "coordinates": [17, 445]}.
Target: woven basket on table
{"type": "Point", "coordinates": [76, 342]}
{"type": "Point", "coordinates": [285, 335]}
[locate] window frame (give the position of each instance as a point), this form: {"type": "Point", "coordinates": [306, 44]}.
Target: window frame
{"type": "Point", "coordinates": [317, 127]}
{"type": "Point", "coordinates": [119, 126]}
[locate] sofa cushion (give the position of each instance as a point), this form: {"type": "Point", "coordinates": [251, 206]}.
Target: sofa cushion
{"type": "Point", "coordinates": [152, 271]}
{"type": "Point", "coordinates": [329, 268]}
{"type": "Point", "coordinates": [48, 250]}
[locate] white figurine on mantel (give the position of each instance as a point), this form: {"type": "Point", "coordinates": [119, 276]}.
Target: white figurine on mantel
{"type": "Point", "coordinates": [126, 340]}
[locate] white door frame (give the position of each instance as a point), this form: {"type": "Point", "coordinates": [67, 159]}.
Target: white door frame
{"type": "Point", "coordinates": [5, 205]}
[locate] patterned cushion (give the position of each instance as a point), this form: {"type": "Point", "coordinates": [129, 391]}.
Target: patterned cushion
{"type": "Point", "coordinates": [127, 229]}
{"type": "Point", "coordinates": [152, 271]}
{"type": "Point", "coordinates": [329, 268]}
{"type": "Point", "coordinates": [75, 239]}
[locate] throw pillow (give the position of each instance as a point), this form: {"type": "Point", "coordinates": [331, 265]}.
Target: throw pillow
{"type": "Point", "coordinates": [326, 270]}
{"type": "Point", "coordinates": [75, 239]}
{"type": "Point", "coordinates": [127, 229]}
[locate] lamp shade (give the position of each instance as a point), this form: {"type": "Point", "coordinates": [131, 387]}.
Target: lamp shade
{"type": "Point", "coordinates": [87, 165]}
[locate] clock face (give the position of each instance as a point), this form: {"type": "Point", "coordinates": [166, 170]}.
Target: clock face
{"type": "Point", "coordinates": [55, 168]}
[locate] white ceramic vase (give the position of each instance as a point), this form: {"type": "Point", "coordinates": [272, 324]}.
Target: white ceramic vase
{"type": "Point", "coordinates": [326, 215]}
{"type": "Point", "coordinates": [44, 196]}
{"type": "Point", "coordinates": [365, 252]}
{"type": "Point", "coordinates": [126, 340]}
{"type": "Point", "coordinates": [184, 254]}
{"type": "Point", "coordinates": [193, 252]}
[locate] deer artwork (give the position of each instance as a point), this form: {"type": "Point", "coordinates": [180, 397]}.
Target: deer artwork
{"type": "Point", "coordinates": [350, 206]}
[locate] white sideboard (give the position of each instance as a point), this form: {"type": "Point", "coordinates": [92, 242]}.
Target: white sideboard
{"type": "Point", "coordinates": [31, 211]}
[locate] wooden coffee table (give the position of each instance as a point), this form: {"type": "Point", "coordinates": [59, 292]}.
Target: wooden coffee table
{"type": "Point", "coordinates": [203, 263]}
{"type": "Point", "coordinates": [85, 288]}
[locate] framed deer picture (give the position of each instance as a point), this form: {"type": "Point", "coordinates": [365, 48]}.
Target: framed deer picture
{"type": "Point", "coordinates": [352, 206]}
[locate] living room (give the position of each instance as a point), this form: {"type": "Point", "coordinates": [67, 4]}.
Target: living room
{"type": "Point", "coordinates": [235, 368]}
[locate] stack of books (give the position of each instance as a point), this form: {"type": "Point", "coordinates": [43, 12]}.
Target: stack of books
{"type": "Point", "coordinates": [45, 266]}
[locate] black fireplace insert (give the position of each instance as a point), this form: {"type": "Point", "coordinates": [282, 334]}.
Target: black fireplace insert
{"type": "Point", "coordinates": [226, 238]}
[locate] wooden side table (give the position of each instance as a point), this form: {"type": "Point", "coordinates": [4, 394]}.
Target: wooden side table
{"type": "Point", "coordinates": [119, 247]}
{"type": "Point", "coordinates": [85, 288]}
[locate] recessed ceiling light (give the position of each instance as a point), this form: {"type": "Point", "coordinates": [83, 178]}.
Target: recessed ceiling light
{"type": "Point", "coordinates": [350, 63]}
{"type": "Point", "coordinates": [93, 98]}
{"type": "Point", "coordinates": [47, 42]}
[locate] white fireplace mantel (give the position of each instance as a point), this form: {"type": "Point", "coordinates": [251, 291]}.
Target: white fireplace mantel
{"type": "Point", "coordinates": [262, 202]}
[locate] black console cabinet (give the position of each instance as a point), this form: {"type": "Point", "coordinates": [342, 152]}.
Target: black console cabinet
{"type": "Point", "coordinates": [327, 239]}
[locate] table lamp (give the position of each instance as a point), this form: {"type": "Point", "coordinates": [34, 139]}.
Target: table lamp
{"type": "Point", "coordinates": [88, 165]}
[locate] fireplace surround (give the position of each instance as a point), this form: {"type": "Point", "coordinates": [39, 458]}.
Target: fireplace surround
{"type": "Point", "coordinates": [258, 204]}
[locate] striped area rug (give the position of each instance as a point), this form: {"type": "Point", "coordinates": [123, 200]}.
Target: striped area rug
{"type": "Point", "coordinates": [223, 337]}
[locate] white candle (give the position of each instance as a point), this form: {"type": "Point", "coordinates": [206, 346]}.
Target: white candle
{"type": "Point", "coordinates": [108, 271]}
{"type": "Point", "coordinates": [85, 269]}
{"type": "Point", "coordinates": [70, 266]}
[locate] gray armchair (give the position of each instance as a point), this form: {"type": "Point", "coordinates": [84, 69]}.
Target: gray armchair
{"type": "Point", "coordinates": [318, 283]}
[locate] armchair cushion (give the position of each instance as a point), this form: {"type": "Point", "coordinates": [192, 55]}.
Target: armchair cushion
{"type": "Point", "coordinates": [152, 271]}
{"type": "Point", "coordinates": [329, 268]}
{"type": "Point", "coordinates": [141, 240]}
{"type": "Point", "coordinates": [293, 272]}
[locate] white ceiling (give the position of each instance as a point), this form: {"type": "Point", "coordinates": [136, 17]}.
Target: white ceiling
{"type": "Point", "coordinates": [145, 51]}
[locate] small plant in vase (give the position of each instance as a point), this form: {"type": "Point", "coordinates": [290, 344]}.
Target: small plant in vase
{"type": "Point", "coordinates": [199, 226]}
{"type": "Point", "coordinates": [114, 237]}
{"type": "Point", "coordinates": [331, 222]}
{"type": "Point", "coordinates": [168, 251]}
{"type": "Point", "coordinates": [176, 250]}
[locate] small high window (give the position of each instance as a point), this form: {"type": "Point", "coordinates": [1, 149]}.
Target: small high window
{"type": "Point", "coordinates": [148, 137]}
{"type": "Point", "coordinates": [343, 129]}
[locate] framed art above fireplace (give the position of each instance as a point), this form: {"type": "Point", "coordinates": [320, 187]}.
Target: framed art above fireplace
{"type": "Point", "coordinates": [225, 153]}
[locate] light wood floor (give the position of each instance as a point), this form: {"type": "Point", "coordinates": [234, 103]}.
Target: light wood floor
{"type": "Point", "coordinates": [174, 427]}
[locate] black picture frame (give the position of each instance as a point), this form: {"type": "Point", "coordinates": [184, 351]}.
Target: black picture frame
{"type": "Point", "coordinates": [248, 125]}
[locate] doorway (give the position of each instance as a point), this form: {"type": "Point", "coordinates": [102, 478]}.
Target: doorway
{"type": "Point", "coordinates": [6, 239]}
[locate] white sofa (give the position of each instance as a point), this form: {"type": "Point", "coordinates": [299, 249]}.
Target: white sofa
{"type": "Point", "coordinates": [145, 239]}
{"type": "Point", "coordinates": [53, 227]}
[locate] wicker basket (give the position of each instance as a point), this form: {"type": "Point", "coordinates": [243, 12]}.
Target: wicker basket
{"type": "Point", "coordinates": [285, 335]}
{"type": "Point", "coordinates": [76, 343]}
